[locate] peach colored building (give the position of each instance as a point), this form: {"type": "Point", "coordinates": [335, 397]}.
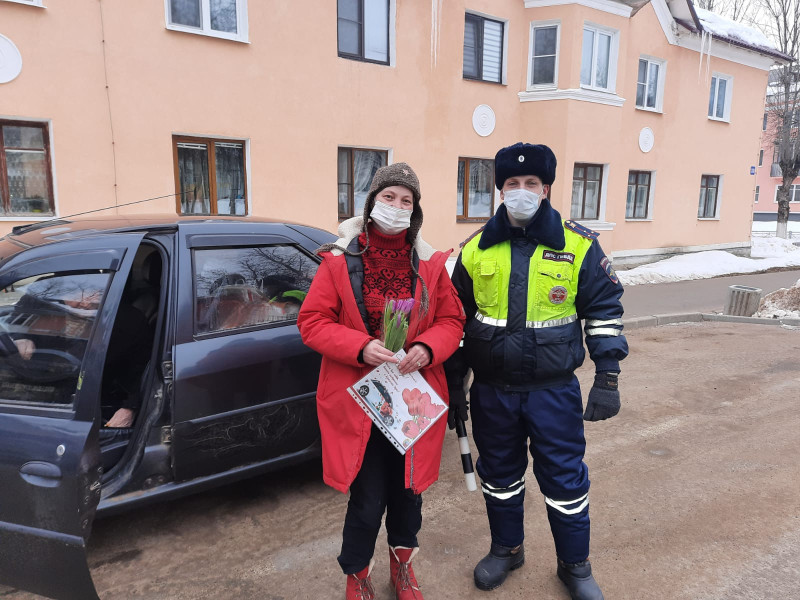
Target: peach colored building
{"type": "Point", "coordinates": [768, 173]}
{"type": "Point", "coordinates": [284, 109]}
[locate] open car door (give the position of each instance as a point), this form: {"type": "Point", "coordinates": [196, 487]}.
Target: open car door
{"type": "Point", "coordinates": [57, 307]}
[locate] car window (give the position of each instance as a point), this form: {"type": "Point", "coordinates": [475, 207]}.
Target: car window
{"type": "Point", "coordinates": [243, 287]}
{"type": "Point", "coordinates": [45, 324]}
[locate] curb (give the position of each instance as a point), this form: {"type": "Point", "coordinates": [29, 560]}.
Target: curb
{"type": "Point", "coordinates": [668, 319]}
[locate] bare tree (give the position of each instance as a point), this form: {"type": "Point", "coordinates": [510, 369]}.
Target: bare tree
{"type": "Point", "coordinates": [781, 22]}
{"type": "Point", "coordinates": [741, 11]}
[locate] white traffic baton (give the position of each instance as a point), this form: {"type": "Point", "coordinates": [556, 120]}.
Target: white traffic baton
{"type": "Point", "coordinates": [466, 456]}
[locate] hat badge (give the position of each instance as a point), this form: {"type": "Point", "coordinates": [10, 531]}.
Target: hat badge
{"type": "Point", "coordinates": [521, 158]}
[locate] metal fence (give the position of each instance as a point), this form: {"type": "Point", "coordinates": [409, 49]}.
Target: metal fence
{"type": "Point", "coordinates": [791, 235]}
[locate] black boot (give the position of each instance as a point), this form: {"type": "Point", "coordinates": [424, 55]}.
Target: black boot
{"type": "Point", "coordinates": [579, 581]}
{"type": "Point", "coordinates": [491, 572]}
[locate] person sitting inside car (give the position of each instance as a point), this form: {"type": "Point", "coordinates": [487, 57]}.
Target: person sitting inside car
{"type": "Point", "coordinates": [126, 359]}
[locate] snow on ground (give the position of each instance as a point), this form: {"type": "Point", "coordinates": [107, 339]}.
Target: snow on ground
{"type": "Point", "coordinates": [767, 253]}
{"type": "Point", "coordinates": [781, 303]}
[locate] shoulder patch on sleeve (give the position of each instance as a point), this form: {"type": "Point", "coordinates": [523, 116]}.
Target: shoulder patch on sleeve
{"type": "Point", "coordinates": [605, 264]}
{"type": "Point", "coordinates": [581, 229]}
{"type": "Point", "coordinates": [464, 243]}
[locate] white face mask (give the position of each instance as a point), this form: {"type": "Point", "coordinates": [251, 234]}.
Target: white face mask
{"type": "Point", "coordinates": [390, 220]}
{"type": "Point", "coordinates": [521, 204]}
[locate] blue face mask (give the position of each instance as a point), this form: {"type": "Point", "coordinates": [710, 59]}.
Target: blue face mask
{"type": "Point", "coordinates": [521, 204]}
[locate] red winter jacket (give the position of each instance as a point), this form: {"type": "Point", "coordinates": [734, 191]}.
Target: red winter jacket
{"type": "Point", "coordinates": [330, 323]}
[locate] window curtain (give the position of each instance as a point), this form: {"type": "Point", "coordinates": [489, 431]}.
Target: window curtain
{"type": "Point", "coordinates": [193, 179]}
{"type": "Point", "coordinates": [365, 163]}
{"type": "Point", "coordinates": [230, 178]}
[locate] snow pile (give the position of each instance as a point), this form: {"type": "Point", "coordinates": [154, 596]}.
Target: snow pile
{"type": "Point", "coordinates": [720, 26]}
{"type": "Point", "coordinates": [781, 303]}
{"type": "Point", "coordinates": [769, 253]}
{"type": "Point", "coordinates": [771, 247]}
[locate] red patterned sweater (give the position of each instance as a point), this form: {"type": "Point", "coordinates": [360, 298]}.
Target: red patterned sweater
{"type": "Point", "coordinates": [387, 273]}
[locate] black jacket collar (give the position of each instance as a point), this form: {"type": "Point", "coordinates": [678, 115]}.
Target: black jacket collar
{"type": "Point", "coordinates": [545, 228]}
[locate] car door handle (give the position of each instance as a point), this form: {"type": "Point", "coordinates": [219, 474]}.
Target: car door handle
{"type": "Point", "coordinates": [40, 473]}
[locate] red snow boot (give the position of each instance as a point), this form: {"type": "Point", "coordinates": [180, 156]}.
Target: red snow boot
{"type": "Point", "coordinates": [359, 585]}
{"type": "Point", "coordinates": [403, 579]}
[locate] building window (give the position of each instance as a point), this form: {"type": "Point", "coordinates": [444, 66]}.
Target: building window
{"type": "Point", "coordinates": [649, 84]}
{"type": "Point", "coordinates": [719, 98]}
{"type": "Point", "coordinates": [363, 30]}
{"type": "Point", "coordinates": [794, 192]}
{"type": "Point", "coordinates": [210, 176]}
{"type": "Point", "coordinates": [760, 157]}
{"type": "Point", "coordinates": [764, 124]}
{"type": "Point", "coordinates": [599, 58]}
{"type": "Point", "coordinates": [637, 205]}
{"type": "Point", "coordinates": [758, 189]}
{"type": "Point", "coordinates": [356, 168]}
{"type": "Point", "coordinates": [544, 54]}
{"type": "Point", "coordinates": [26, 181]}
{"type": "Point", "coordinates": [709, 197]}
{"type": "Point", "coordinates": [587, 181]}
{"type": "Point", "coordinates": [475, 201]}
{"type": "Point", "coordinates": [218, 18]}
{"type": "Point", "coordinates": [483, 48]}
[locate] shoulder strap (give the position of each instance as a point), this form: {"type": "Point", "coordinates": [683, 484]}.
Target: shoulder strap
{"type": "Point", "coordinates": [581, 230]}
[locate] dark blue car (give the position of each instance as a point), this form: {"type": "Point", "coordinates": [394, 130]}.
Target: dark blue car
{"type": "Point", "coordinates": [143, 358]}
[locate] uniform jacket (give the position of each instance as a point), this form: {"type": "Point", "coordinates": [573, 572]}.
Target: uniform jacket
{"type": "Point", "coordinates": [333, 322]}
{"type": "Point", "coordinates": [520, 355]}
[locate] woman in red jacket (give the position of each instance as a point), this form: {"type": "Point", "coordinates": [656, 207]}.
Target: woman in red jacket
{"type": "Point", "coordinates": [378, 257]}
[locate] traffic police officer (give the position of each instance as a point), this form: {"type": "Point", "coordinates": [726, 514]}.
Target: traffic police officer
{"type": "Point", "coordinates": [526, 281]}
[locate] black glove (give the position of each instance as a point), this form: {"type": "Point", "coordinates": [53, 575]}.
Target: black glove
{"type": "Point", "coordinates": [459, 407]}
{"type": "Point", "coordinates": [603, 400]}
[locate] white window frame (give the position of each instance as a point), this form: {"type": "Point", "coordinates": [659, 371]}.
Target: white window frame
{"type": "Point", "coordinates": [540, 25]}
{"type": "Point", "coordinates": [726, 116]}
{"type": "Point", "coordinates": [241, 34]}
{"type": "Point", "coordinates": [504, 63]}
{"type": "Point", "coordinates": [599, 224]}
{"type": "Point", "coordinates": [720, 184]}
{"type": "Point", "coordinates": [38, 3]}
{"type": "Point", "coordinates": [53, 172]}
{"type": "Point", "coordinates": [613, 56]}
{"type": "Point", "coordinates": [650, 198]}
{"type": "Point", "coordinates": [391, 40]}
{"type": "Point", "coordinates": [795, 194]}
{"type": "Point", "coordinates": [662, 72]}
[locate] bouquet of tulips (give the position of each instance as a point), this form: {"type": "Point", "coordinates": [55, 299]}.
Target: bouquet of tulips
{"type": "Point", "coordinates": [396, 314]}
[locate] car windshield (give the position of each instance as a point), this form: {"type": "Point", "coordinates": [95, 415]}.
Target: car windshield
{"type": "Point", "coordinates": [45, 324]}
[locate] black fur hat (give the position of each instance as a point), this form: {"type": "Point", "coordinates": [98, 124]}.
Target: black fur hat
{"type": "Point", "coordinates": [524, 159]}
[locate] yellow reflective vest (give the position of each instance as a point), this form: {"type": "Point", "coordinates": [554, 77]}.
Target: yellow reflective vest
{"type": "Point", "coordinates": [552, 280]}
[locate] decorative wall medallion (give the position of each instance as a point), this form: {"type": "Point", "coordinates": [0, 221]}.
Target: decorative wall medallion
{"type": "Point", "coordinates": [483, 120]}
{"type": "Point", "coordinates": [646, 139]}
{"type": "Point", "coordinates": [10, 60]}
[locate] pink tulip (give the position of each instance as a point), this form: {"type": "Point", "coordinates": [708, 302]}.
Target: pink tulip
{"type": "Point", "coordinates": [410, 429]}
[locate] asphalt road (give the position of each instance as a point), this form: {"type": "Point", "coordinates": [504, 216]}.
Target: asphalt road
{"type": "Point", "coordinates": [701, 295]}
{"type": "Point", "coordinates": [694, 497]}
